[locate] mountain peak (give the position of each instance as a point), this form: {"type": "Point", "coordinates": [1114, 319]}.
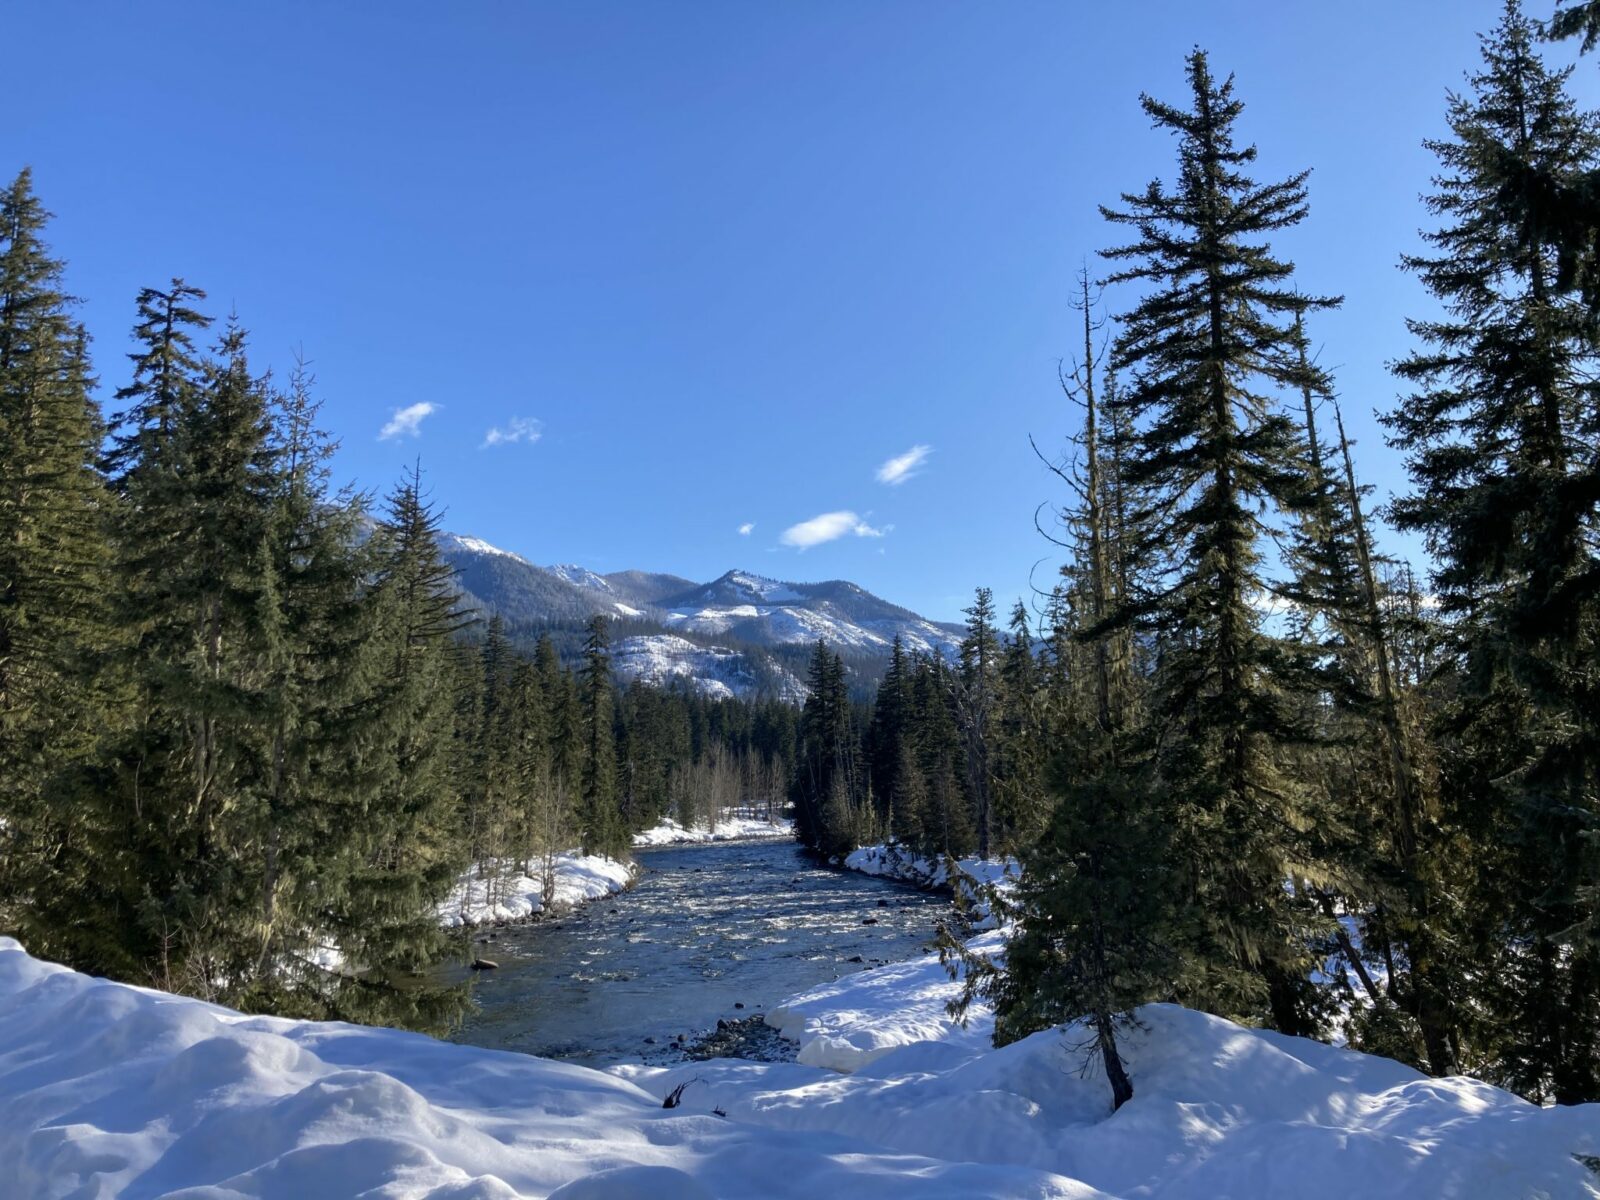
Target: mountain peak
{"type": "Point", "coordinates": [581, 576]}
{"type": "Point", "coordinates": [753, 588]}
{"type": "Point", "coordinates": [472, 545]}
{"type": "Point", "coordinates": [732, 635]}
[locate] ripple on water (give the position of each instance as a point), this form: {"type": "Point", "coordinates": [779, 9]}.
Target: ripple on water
{"type": "Point", "coordinates": [705, 929]}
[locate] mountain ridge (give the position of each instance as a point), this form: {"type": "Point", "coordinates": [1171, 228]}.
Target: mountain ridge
{"type": "Point", "coordinates": [738, 634]}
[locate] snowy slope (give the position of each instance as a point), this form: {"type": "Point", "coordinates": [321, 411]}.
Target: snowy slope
{"type": "Point", "coordinates": [1219, 1111]}
{"type": "Point", "coordinates": [663, 659]}
{"type": "Point", "coordinates": [772, 612]}
{"type": "Point", "coordinates": [582, 577]}
{"type": "Point", "coordinates": [112, 1091]}
{"type": "Point", "coordinates": [726, 637]}
{"type": "Point", "coordinates": [461, 544]}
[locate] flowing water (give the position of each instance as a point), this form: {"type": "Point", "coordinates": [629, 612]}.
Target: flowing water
{"type": "Point", "coordinates": [706, 928]}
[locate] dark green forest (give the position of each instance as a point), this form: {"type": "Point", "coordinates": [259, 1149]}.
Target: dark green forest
{"type": "Point", "coordinates": [245, 720]}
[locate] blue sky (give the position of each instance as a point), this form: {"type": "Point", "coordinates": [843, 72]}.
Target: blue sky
{"type": "Point", "coordinates": [659, 272]}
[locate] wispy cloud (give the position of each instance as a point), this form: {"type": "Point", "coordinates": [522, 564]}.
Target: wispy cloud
{"type": "Point", "coordinates": [747, 529]}
{"type": "Point", "coordinates": [518, 429]}
{"type": "Point", "coordinates": [406, 422]}
{"type": "Point", "coordinates": [828, 527]}
{"type": "Point", "coordinates": [903, 466]}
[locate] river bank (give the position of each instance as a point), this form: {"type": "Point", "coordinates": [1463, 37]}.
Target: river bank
{"type": "Point", "coordinates": [511, 894]}
{"type": "Point", "coordinates": [507, 893]}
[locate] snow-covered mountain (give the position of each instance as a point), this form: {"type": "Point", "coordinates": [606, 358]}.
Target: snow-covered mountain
{"type": "Point", "coordinates": [771, 612]}
{"type": "Point", "coordinates": [737, 635]}
{"type": "Point", "coordinates": [716, 671]}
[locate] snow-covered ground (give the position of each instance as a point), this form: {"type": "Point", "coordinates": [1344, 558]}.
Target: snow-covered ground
{"type": "Point", "coordinates": [729, 828]}
{"type": "Point", "coordinates": [1219, 1111]}
{"type": "Point", "coordinates": [855, 1020]}
{"type": "Point", "coordinates": [114, 1091]}
{"type": "Point", "coordinates": [578, 877]}
{"type": "Point", "coordinates": [976, 876]}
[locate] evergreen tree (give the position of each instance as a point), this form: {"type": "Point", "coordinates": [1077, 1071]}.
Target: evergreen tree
{"type": "Point", "coordinates": [53, 580]}
{"type": "Point", "coordinates": [947, 816]}
{"type": "Point", "coordinates": [196, 470]}
{"type": "Point", "coordinates": [310, 743]}
{"type": "Point", "coordinates": [887, 737]}
{"type": "Point", "coordinates": [1499, 437]}
{"type": "Point", "coordinates": [1096, 926]}
{"type": "Point", "coordinates": [404, 843]}
{"type": "Point", "coordinates": [602, 826]}
{"type": "Point", "coordinates": [824, 790]}
{"type": "Point", "coordinates": [1206, 349]}
{"type": "Point", "coordinates": [975, 700]}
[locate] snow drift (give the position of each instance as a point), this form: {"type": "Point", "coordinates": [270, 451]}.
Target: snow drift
{"type": "Point", "coordinates": [108, 1090]}
{"type": "Point", "coordinates": [1219, 1113]}
{"type": "Point", "coordinates": [115, 1091]}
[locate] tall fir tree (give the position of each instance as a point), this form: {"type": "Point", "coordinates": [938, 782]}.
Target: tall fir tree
{"type": "Point", "coordinates": [1021, 740]}
{"type": "Point", "coordinates": [1207, 352]}
{"type": "Point", "coordinates": [53, 581]}
{"type": "Point", "coordinates": [1095, 920]}
{"type": "Point", "coordinates": [1499, 438]}
{"type": "Point", "coordinates": [312, 739]}
{"type": "Point", "coordinates": [404, 841]}
{"type": "Point", "coordinates": [826, 785]}
{"type": "Point", "coordinates": [194, 472]}
{"type": "Point", "coordinates": [602, 823]}
{"type": "Point", "coordinates": [975, 700]}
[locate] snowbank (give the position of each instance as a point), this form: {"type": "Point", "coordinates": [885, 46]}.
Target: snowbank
{"type": "Point", "coordinates": [1218, 1110]}
{"type": "Point", "coordinates": [896, 862]}
{"type": "Point", "coordinates": [853, 1021]}
{"type": "Point", "coordinates": [108, 1090]}
{"type": "Point", "coordinates": [974, 873]}
{"type": "Point", "coordinates": [578, 877]}
{"type": "Point", "coordinates": [729, 829]}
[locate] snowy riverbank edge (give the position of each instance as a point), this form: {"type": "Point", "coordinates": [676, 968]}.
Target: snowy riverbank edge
{"type": "Point", "coordinates": [515, 895]}
{"type": "Point", "coordinates": [110, 1090]}
{"type": "Point", "coordinates": [896, 862]}
{"type": "Point", "coordinates": [579, 878]}
{"type": "Point", "coordinates": [728, 829]}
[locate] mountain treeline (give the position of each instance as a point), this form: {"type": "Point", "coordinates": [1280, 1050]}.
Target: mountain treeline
{"type": "Point", "coordinates": [249, 741]}
{"type": "Point", "coordinates": [1251, 764]}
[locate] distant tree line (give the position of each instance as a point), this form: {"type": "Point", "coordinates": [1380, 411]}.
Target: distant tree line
{"type": "Point", "coordinates": [245, 725]}
{"type": "Point", "coordinates": [1251, 764]}
{"type": "Point", "coordinates": [945, 759]}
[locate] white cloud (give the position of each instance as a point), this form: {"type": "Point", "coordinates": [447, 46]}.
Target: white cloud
{"type": "Point", "coordinates": [826, 528]}
{"type": "Point", "coordinates": [747, 528]}
{"type": "Point", "coordinates": [406, 421]}
{"type": "Point", "coordinates": [903, 466]}
{"type": "Point", "coordinates": [518, 429]}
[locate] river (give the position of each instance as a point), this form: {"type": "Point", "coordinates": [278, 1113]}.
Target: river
{"type": "Point", "coordinates": [707, 928]}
